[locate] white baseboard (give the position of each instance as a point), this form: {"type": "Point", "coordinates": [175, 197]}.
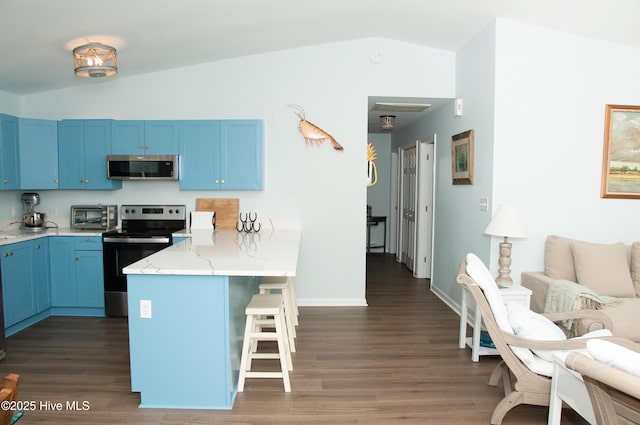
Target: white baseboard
{"type": "Point", "coordinates": [332, 302]}
{"type": "Point", "coordinates": [453, 305]}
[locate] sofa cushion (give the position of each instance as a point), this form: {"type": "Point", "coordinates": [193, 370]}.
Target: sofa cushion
{"type": "Point", "coordinates": [635, 266]}
{"type": "Point", "coordinates": [558, 258]}
{"type": "Point", "coordinates": [603, 268]}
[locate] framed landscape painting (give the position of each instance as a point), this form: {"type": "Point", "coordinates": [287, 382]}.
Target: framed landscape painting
{"type": "Point", "coordinates": [462, 158]}
{"type": "Point", "coordinates": [621, 153]}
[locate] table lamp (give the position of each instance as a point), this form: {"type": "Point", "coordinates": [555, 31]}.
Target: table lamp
{"type": "Point", "coordinates": [507, 223]}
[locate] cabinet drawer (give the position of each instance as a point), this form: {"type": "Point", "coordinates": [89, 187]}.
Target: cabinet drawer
{"type": "Point", "coordinates": [88, 243]}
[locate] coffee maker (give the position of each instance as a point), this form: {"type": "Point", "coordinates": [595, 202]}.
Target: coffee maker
{"type": "Point", "coordinates": [31, 219]}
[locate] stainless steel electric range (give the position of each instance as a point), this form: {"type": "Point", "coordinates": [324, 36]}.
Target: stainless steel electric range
{"type": "Point", "coordinates": [145, 229]}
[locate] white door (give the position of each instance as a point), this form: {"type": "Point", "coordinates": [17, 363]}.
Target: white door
{"type": "Point", "coordinates": [415, 227]}
{"type": "Point", "coordinates": [393, 208]}
{"type": "Point", "coordinates": [408, 204]}
{"type": "Point", "coordinates": [424, 210]}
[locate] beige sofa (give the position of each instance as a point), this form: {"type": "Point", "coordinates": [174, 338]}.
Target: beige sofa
{"type": "Point", "coordinates": [604, 276]}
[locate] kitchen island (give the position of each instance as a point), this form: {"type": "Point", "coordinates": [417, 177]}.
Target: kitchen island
{"type": "Point", "coordinates": [186, 313]}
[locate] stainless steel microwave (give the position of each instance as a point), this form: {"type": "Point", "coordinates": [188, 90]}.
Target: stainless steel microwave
{"type": "Point", "coordinates": [142, 167]}
{"type": "Point", "coordinates": [94, 217]}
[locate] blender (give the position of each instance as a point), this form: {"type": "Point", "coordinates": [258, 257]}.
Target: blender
{"type": "Point", "coordinates": [31, 219]}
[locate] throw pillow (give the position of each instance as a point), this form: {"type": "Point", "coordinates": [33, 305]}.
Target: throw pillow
{"type": "Point", "coordinates": [603, 268]}
{"type": "Point", "coordinates": [531, 325]}
{"type": "Point", "coordinates": [558, 258]}
{"type": "Point", "coordinates": [635, 266]}
{"type": "Point", "coordinates": [615, 355]}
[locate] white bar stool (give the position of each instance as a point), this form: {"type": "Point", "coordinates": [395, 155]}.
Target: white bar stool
{"type": "Point", "coordinates": [259, 306]}
{"type": "Point", "coordinates": [284, 285]}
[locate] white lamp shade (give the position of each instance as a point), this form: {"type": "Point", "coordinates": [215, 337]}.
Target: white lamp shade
{"type": "Point", "coordinates": [507, 222]}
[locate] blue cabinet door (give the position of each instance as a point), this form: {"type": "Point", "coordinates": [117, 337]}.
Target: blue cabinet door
{"type": "Point", "coordinates": [161, 137]}
{"type": "Point", "coordinates": [82, 150]}
{"type": "Point", "coordinates": [199, 155]}
{"type": "Point", "coordinates": [18, 292]}
{"type": "Point", "coordinates": [242, 154]}
{"type": "Point", "coordinates": [71, 154]}
{"type": "Point", "coordinates": [89, 279]}
{"type": "Point", "coordinates": [97, 141]}
{"type": "Point", "coordinates": [9, 159]}
{"type": "Point", "coordinates": [63, 271]}
{"type": "Point", "coordinates": [127, 137]}
{"type": "Point", "coordinates": [41, 278]}
{"type": "Point", "coordinates": [38, 151]}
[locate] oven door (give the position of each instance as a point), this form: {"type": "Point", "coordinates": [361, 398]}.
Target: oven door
{"type": "Point", "coordinates": [118, 252]}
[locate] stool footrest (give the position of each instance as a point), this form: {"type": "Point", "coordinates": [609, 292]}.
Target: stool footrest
{"type": "Point", "coordinates": [254, 374]}
{"type": "Point", "coordinates": [265, 356]}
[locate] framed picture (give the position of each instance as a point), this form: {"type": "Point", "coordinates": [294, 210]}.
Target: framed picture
{"type": "Point", "coordinates": [621, 153]}
{"type": "Point", "coordinates": [462, 158]}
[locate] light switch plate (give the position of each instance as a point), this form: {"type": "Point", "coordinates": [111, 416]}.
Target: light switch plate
{"type": "Point", "coordinates": [484, 204]}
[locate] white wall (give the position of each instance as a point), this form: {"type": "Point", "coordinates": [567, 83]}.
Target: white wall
{"type": "Point", "coordinates": [551, 92]}
{"type": "Point", "coordinates": [379, 195]}
{"type": "Point", "coordinates": [323, 188]}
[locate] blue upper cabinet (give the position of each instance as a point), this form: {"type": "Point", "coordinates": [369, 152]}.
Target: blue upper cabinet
{"type": "Point", "coordinates": [9, 155]}
{"type": "Point", "coordinates": [82, 150]}
{"type": "Point", "coordinates": [161, 137]}
{"type": "Point", "coordinates": [127, 137]}
{"type": "Point", "coordinates": [38, 152]}
{"type": "Point", "coordinates": [242, 158]}
{"type": "Point", "coordinates": [199, 155]}
{"type": "Point", "coordinates": [144, 137]}
{"type": "Point", "coordinates": [221, 155]}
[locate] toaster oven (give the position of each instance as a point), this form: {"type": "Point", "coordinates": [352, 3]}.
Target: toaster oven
{"type": "Point", "coordinates": [94, 217]}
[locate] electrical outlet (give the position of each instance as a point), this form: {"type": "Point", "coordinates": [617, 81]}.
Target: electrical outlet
{"type": "Point", "coordinates": [145, 309]}
{"type": "Point", "coordinates": [54, 212]}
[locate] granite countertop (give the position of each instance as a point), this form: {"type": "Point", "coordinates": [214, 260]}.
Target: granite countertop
{"type": "Point", "coordinates": [226, 253]}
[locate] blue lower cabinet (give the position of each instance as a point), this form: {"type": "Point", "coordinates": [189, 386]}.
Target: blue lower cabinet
{"type": "Point", "coordinates": [26, 289]}
{"type": "Point", "coordinates": [77, 281]}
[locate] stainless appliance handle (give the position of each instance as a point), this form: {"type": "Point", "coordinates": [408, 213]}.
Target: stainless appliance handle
{"type": "Point", "coordinates": [136, 240]}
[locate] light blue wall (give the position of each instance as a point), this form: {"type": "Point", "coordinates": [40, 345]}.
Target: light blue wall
{"type": "Point", "coordinates": [458, 221]}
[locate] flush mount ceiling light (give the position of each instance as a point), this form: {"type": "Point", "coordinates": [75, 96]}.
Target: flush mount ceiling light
{"type": "Point", "coordinates": [95, 60]}
{"type": "Point", "coordinates": [387, 122]}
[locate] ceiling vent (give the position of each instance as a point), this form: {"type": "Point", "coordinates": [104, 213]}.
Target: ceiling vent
{"type": "Point", "coordinates": [400, 107]}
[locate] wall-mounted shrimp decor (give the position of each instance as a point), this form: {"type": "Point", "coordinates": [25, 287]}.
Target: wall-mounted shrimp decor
{"type": "Point", "coordinates": [313, 134]}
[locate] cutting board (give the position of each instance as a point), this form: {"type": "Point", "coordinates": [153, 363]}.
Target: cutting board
{"type": "Point", "coordinates": [227, 210]}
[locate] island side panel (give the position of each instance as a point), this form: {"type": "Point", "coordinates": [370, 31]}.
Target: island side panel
{"type": "Point", "coordinates": [180, 356]}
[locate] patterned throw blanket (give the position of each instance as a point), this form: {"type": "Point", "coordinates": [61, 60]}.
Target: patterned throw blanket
{"type": "Point", "coordinates": [564, 295]}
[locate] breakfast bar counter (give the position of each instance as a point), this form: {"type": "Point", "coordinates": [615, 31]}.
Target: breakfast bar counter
{"type": "Point", "coordinates": [186, 313]}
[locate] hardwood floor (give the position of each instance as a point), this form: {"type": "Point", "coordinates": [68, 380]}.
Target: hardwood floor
{"type": "Point", "coordinates": [394, 362]}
